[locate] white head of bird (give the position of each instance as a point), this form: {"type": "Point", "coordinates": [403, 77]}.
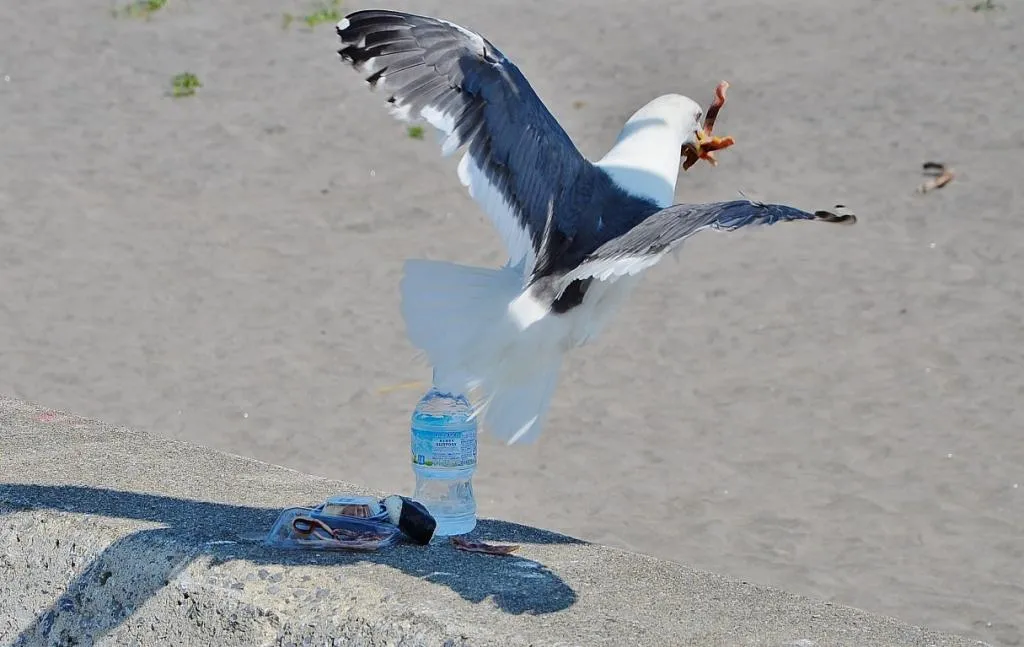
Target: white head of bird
{"type": "Point", "coordinates": [646, 155]}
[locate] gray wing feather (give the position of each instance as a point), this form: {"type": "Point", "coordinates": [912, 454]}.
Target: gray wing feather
{"type": "Point", "coordinates": [671, 226]}
{"type": "Point", "coordinates": [645, 244]}
{"type": "Point", "coordinates": [464, 86]}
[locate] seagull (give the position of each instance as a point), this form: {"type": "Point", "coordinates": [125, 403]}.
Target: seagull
{"type": "Point", "coordinates": [579, 233]}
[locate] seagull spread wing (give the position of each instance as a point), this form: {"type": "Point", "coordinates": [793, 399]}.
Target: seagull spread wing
{"type": "Point", "coordinates": [517, 155]}
{"type": "Point", "coordinates": [645, 244]}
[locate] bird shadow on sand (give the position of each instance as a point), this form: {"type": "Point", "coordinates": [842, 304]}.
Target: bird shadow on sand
{"type": "Point", "coordinates": [134, 568]}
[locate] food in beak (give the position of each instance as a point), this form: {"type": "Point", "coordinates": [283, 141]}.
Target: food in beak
{"type": "Point", "coordinates": [707, 143]}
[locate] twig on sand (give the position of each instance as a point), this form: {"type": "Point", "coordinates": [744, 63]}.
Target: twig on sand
{"type": "Point", "coordinates": [941, 176]}
{"type": "Point", "coordinates": [414, 384]}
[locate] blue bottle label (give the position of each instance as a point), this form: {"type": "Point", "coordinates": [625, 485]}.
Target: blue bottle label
{"type": "Point", "coordinates": [443, 449]}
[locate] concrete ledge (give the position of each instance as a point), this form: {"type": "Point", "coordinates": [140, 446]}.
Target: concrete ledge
{"type": "Point", "coordinates": [111, 536]}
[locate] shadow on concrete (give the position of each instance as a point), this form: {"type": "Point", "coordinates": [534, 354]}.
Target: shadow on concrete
{"type": "Point", "coordinates": [226, 533]}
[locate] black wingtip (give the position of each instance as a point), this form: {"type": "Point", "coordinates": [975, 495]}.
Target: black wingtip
{"type": "Point", "coordinates": [835, 217]}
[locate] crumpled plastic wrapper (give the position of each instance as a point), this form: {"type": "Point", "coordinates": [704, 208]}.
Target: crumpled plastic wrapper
{"type": "Point", "coordinates": [352, 523]}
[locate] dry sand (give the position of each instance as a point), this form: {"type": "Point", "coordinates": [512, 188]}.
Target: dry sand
{"type": "Point", "coordinates": [835, 411]}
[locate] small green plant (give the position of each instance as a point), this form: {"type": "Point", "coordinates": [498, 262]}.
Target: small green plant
{"type": "Point", "coordinates": [415, 132]}
{"type": "Point", "coordinates": [325, 12]}
{"type": "Point", "coordinates": [141, 8]}
{"type": "Point", "coordinates": [185, 84]}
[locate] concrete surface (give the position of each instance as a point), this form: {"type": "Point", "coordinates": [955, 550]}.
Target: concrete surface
{"type": "Point", "coordinates": [829, 411]}
{"type": "Point", "coordinates": [116, 537]}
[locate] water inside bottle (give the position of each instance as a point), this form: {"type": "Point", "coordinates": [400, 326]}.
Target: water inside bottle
{"type": "Point", "coordinates": [444, 460]}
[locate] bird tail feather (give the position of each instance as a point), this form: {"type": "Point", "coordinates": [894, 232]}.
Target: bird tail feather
{"type": "Point", "coordinates": [459, 317]}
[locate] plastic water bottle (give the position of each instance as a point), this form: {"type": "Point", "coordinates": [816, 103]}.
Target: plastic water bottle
{"type": "Point", "coordinates": [444, 460]}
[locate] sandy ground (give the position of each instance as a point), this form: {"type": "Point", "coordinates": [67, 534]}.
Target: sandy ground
{"type": "Point", "coordinates": [835, 411]}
